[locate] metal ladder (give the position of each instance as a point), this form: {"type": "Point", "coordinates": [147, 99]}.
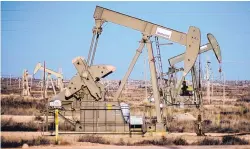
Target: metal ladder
{"type": "Point", "coordinates": [159, 64]}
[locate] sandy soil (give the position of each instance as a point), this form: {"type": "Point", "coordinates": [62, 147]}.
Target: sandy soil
{"type": "Point", "coordinates": [190, 137]}
{"type": "Point", "coordinates": [138, 147]}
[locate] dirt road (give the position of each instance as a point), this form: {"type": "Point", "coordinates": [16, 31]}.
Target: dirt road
{"type": "Point", "coordinates": [141, 147]}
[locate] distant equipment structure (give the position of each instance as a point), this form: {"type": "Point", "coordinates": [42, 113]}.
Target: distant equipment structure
{"type": "Point", "coordinates": [49, 78]}
{"type": "Point", "coordinates": [212, 45]}
{"type": "Point", "coordinates": [25, 83]}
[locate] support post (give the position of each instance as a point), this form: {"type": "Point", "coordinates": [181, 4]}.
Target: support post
{"type": "Point", "coordinates": [212, 82]}
{"type": "Point", "coordinates": [51, 81]}
{"type": "Point", "coordinates": [10, 79]}
{"type": "Point", "coordinates": [60, 84]}
{"type": "Point", "coordinates": [145, 75]}
{"type": "Point", "coordinates": [195, 85]}
{"type": "Point", "coordinates": [44, 96]}
{"type": "Point", "coordinates": [19, 83]}
{"type": "Point", "coordinates": [159, 124]}
{"type": "Point", "coordinates": [224, 85]}
{"type": "Point", "coordinates": [47, 85]}
{"type": "Point", "coordinates": [31, 81]}
{"type": "Point", "coordinates": [56, 124]}
{"type": "Point", "coordinates": [131, 66]}
{"type": "Point", "coordinates": [208, 80]}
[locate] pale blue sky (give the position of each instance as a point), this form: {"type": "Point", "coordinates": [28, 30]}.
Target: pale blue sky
{"type": "Point", "coordinates": [57, 32]}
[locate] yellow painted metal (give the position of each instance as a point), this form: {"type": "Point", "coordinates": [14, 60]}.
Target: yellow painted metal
{"type": "Point", "coordinates": [218, 119]}
{"type": "Point", "coordinates": [109, 106]}
{"type": "Point", "coordinates": [190, 88]}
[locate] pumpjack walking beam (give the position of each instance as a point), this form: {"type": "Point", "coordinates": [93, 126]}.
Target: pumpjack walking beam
{"type": "Point", "coordinates": [212, 45]}
{"type": "Point", "coordinates": [191, 40]}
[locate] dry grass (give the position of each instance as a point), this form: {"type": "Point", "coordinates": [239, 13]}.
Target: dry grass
{"type": "Point", "coordinates": [226, 140]}
{"type": "Point", "coordinates": [209, 141]}
{"type": "Point", "coordinates": [180, 126]}
{"type": "Point", "coordinates": [14, 105]}
{"type": "Point", "coordinates": [93, 139]}
{"type": "Point", "coordinates": [233, 119]}
{"type": "Point", "coordinates": [159, 142]}
{"type": "Point", "coordinates": [64, 142]}
{"type": "Point", "coordinates": [232, 140]}
{"type": "Point", "coordinates": [10, 125]}
{"type": "Point", "coordinates": [180, 141]}
{"type": "Point", "coordinates": [18, 143]}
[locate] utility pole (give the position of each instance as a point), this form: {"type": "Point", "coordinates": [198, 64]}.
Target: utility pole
{"type": "Point", "coordinates": [208, 79]}
{"type": "Point", "coordinates": [145, 75]}
{"type": "Point", "coordinates": [212, 81]}
{"type": "Point", "coordinates": [224, 85]}
{"type": "Point", "coordinates": [6, 81]}
{"type": "Point", "coordinates": [44, 96]}
{"type": "Point", "coordinates": [19, 82]}
{"type": "Point", "coordinates": [10, 79]}
{"type": "Point", "coordinates": [31, 81]}
{"type": "Point", "coordinates": [58, 82]}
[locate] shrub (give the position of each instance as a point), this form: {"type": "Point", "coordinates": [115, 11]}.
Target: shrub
{"type": "Point", "coordinates": [219, 129]}
{"type": "Point", "coordinates": [39, 118]}
{"type": "Point", "coordinates": [232, 140]}
{"type": "Point", "coordinates": [15, 143]}
{"type": "Point", "coordinates": [180, 141]}
{"type": "Point", "coordinates": [10, 125]}
{"type": "Point", "coordinates": [121, 142]}
{"type": "Point", "coordinates": [162, 141]}
{"type": "Point", "coordinates": [9, 143]}
{"type": "Point", "coordinates": [93, 139]}
{"type": "Point", "coordinates": [36, 141]}
{"type": "Point", "coordinates": [209, 141]}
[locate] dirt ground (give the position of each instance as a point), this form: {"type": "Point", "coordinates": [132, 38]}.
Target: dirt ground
{"type": "Point", "coordinates": [138, 147]}
{"type": "Point", "coordinates": [189, 137]}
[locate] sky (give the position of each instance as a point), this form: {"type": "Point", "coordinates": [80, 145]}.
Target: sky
{"type": "Point", "coordinates": [57, 32]}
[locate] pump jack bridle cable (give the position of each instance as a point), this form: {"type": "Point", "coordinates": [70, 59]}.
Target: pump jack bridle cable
{"type": "Point", "coordinates": [93, 55]}
{"type": "Point", "coordinates": [91, 46]}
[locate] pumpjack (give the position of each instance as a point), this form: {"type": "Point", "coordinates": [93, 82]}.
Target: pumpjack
{"type": "Point", "coordinates": [25, 83]}
{"type": "Point", "coordinates": [172, 96]}
{"type": "Point", "coordinates": [84, 97]}
{"type": "Point", "coordinates": [50, 72]}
